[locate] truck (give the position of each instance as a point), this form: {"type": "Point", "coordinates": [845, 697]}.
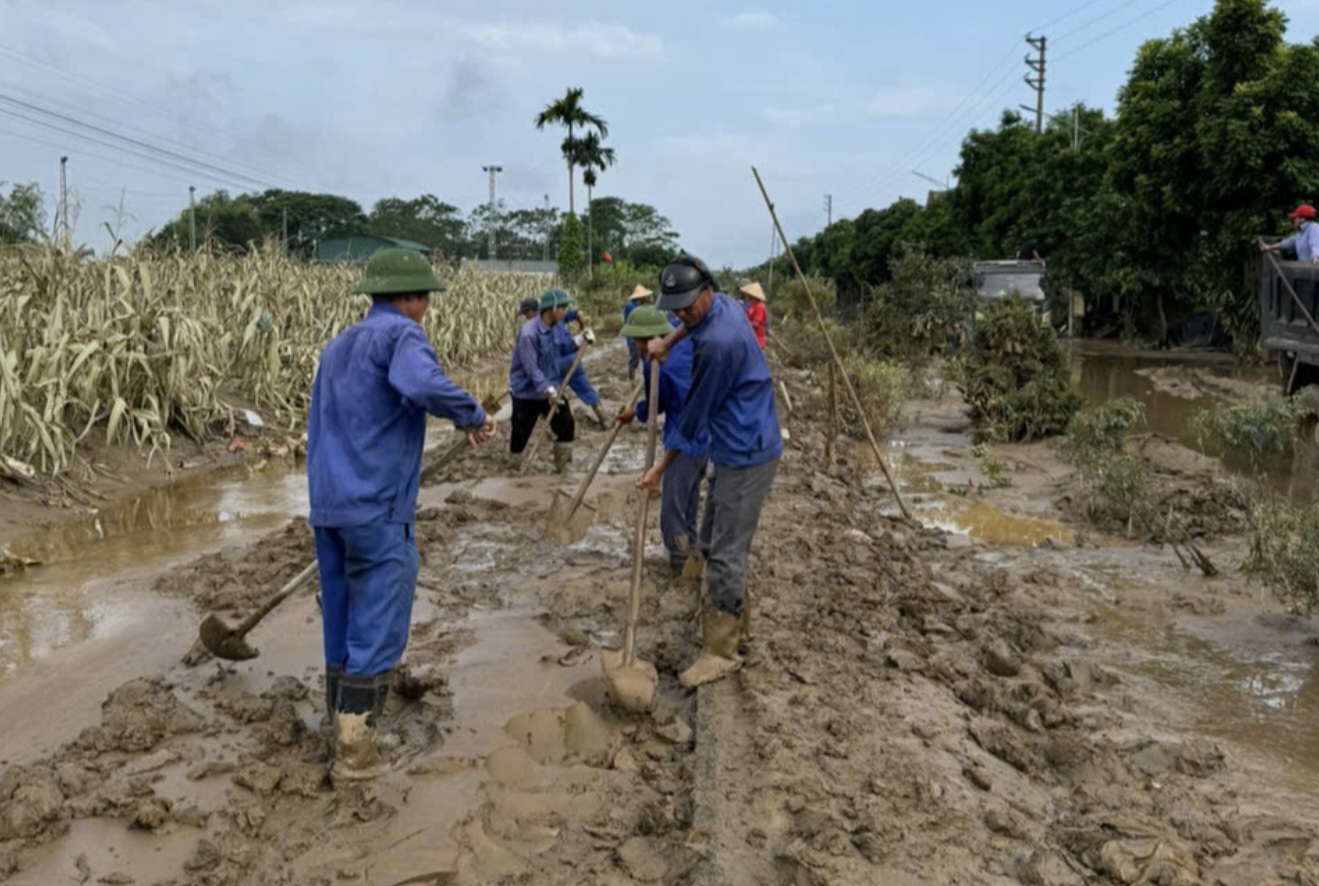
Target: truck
{"type": "Point", "coordinates": [1289, 306]}
{"type": "Point", "coordinates": [995, 279]}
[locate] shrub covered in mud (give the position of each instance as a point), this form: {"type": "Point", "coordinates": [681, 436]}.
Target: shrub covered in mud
{"type": "Point", "coordinates": [1260, 431]}
{"type": "Point", "coordinates": [883, 388]}
{"type": "Point", "coordinates": [919, 312]}
{"type": "Point", "coordinates": [1016, 379]}
{"type": "Point", "coordinates": [1111, 479]}
{"type": "Point", "coordinates": [1284, 552]}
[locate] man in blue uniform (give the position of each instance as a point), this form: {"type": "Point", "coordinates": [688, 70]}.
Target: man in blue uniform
{"type": "Point", "coordinates": [569, 345]}
{"type": "Point", "coordinates": [640, 296]}
{"type": "Point", "coordinates": [680, 499]}
{"type": "Point", "coordinates": [376, 383]}
{"type": "Point", "coordinates": [732, 398]}
{"type": "Point", "coordinates": [533, 379]}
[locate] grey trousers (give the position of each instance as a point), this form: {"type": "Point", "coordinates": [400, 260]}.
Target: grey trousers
{"type": "Point", "coordinates": [732, 512]}
{"type": "Point", "coordinates": [680, 505]}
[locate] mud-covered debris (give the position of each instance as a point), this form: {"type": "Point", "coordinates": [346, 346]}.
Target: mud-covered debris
{"type": "Point", "coordinates": [30, 801]}
{"type": "Point", "coordinates": [644, 859]}
{"type": "Point", "coordinates": [978, 777]}
{"type": "Point", "coordinates": [260, 778]}
{"type": "Point", "coordinates": [676, 733]}
{"type": "Point", "coordinates": [150, 813]}
{"type": "Point", "coordinates": [138, 715]}
{"type": "Point", "coordinates": [116, 878]}
{"type": "Point", "coordinates": [411, 682]}
{"type": "Point", "coordinates": [1001, 660]}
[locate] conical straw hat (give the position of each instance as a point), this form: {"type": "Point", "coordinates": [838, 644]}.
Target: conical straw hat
{"type": "Point", "coordinates": [639, 293]}
{"type": "Point", "coordinates": [753, 290]}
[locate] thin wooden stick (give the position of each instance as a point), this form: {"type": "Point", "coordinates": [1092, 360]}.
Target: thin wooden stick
{"type": "Point", "coordinates": [838, 361]}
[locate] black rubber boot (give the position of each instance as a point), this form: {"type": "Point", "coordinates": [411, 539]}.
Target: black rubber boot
{"type": "Point", "coordinates": [357, 751]}
{"type": "Point", "coordinates": [333, 677]}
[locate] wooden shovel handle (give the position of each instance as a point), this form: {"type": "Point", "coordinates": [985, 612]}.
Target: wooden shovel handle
{"type": "Point", "coordinates": [600, 456]}
{"type": "Point", "coordinates": [639, 539]}
{"type": "Point", "coordinates": [302, 578]}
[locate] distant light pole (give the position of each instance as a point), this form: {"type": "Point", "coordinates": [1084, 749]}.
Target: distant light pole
{"type": "Point", "coordinates": [192, 216]}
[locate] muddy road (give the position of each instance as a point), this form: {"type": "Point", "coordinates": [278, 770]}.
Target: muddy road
{"type": "Point", "coordinates": [1002, 695]}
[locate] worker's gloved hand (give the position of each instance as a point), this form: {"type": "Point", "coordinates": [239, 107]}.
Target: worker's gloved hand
{"type": "Point", "coordinates": [658, 350]}
{"type": "Point", "coordinates": [578, 339]}
{"type": "Point", "coordinates": [625, 417]}
{"type": "Point", "coordinates": [551, 393]}
{"type": "Point", "coordinates": [589, 336]}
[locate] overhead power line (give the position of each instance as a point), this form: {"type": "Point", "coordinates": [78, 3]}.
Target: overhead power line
{"type": "Point", "coordinates": [1110, 33]}
{"type": "Point", "coordinates": [227, 174]}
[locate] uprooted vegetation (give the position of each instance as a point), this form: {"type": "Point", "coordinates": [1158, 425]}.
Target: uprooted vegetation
{"type": "Point", "coordinates": [1284, 552]}
{"type": "Point", "coordinates": [1148, 487]}
{"type": "Point", "coordinates": [1017, 382]}
{"type": "Point", "coordinates": [921, 311]}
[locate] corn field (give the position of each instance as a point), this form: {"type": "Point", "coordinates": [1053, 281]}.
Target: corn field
{"type": "Point", "coordinates": [144, 347]}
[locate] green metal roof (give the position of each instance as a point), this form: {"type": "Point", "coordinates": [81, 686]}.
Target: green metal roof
{"type": "Point", "coordinates": [360, 248]}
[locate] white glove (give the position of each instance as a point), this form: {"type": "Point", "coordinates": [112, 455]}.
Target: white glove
{"type": "Point", "coordinates": [590, 336]}
{"type": "Point", "coordinates": [551, 393]}
{"type": "Point", "coordinates": [579, 338]}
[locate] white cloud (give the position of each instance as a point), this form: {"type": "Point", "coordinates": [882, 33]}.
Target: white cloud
{"type": "Point", "coordinates": [757, 19]}
{"type": "Point", "coordinates": [907, 101]}
{"type": "Point", "coordinates": [593, 38]}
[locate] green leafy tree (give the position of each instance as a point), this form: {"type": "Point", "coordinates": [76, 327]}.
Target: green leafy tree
{"type": "Point", "coordinates": [569, 113]}
{"type": "Point", "coordinates": [425, 219]}
{"type": "Point", "coordinates": [22, 219]}
{"type": "Point", "coordinates": [230, 222]}
{"type": "Point", "coordinates": [571, 260]}
{"type": "Point", "coordinates": [310, 217]}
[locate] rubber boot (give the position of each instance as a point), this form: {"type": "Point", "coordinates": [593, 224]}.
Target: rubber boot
{"type": "Point", "coordinates": [333, 676]}
{"type": "Point", "coordinates": [600, 417]}
{"type": "Point", "coordinates": [562, 457]}
{"type": "Point", "coordinates": [719, 658]}
{"type": "Point", "coordinates": [357, 754]}
{"type": "Point", "coordinates": [746, 618]}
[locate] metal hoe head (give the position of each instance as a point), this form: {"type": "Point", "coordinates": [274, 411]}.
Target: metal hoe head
{"type": "Point", "coordinates": [223, 641]}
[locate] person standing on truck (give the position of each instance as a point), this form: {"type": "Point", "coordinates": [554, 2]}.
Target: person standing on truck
{"type": "Point", "coordinates": [366, 429]}
{"type": "Point", "coordinates": [1306, 239]}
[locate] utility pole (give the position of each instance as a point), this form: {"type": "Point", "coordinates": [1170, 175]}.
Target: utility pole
{"type": "Point", "coordinates": [545, 244]}
{"type": "Point", "coordinates": [828, 209]}
{"type": "Point", "coordinates": [64, 195]}
{"type": "Point", "coordinates": [493, 171]}
{"type": "Point", "coordinates": [1036, 64]}
{"type": "Point", "coordinates": [192, 216]}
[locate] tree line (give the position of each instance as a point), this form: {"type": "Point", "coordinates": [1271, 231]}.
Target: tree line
{"type": "Point", "coordinates": [1152, 213]}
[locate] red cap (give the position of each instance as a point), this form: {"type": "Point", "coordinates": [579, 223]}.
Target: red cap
{"type": "Point", "coordinates": [1306, 211]}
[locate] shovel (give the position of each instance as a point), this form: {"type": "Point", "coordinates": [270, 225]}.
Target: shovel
{"type": "Point", "coordinates": [563, 523]}
{"type": "Point", "coordinates": [227, 642]}
{"type": "Point", "coordinates": [632, 681]}
{"type": "Point", "coordinates": [224, 641]}
{"type": "Point", "coordinates": [537, 439]}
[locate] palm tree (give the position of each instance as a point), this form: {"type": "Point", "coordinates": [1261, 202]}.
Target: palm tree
{"type": "Point", "coordinates": [591, 154]}
{"type": "Point", "coordinates": [569, 113]}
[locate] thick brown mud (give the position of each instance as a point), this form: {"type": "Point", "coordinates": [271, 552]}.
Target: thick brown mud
{"type": "Point", "coordinates": [1022, 699]}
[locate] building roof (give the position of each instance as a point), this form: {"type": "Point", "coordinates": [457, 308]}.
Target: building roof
{"type": "Point", "coordinates": [360, 247]}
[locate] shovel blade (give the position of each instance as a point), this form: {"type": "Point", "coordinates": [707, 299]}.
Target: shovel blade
{"type": "Point", "coordinates": [565, 528]}
{"type": "Point", "coordinates": [221, 641]}
{"type": "Point", "coordinates": [631, 685]}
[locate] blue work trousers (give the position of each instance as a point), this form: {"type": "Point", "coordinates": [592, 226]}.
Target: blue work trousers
{"type": "Point", "coordinates": [680, 503]}
{"type": "Point", "coordinates": [368, 579]}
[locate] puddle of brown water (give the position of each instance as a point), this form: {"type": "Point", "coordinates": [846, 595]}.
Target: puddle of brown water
{"type": "Point", "coordinates": [984, 522]}
{"type": "Point", "coordinates": [56, 604]}
{"type": "Point", "coordinates": [1250, 682]}
{"type": "Point", "coordinates": [105, 847]}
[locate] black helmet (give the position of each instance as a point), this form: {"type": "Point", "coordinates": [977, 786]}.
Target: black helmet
{"type": "Point", "coordinates": [681, 282]}
{"type": "Point", "coordinates": [529, 304]}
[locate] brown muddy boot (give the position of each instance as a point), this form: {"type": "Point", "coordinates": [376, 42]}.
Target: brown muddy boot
{"type": "Point", "coordinates": [562, 457]}
{"type": "Point", "coordinates": [719, 658]}
{"type": "Point", "coordinates": [333, 676]}
{"type": "Point", "coordinates": [357, 751]}
{"type": "Point", "coordinates": [600, 417]}
{"type": "Point", "coordinates": [746, 618]}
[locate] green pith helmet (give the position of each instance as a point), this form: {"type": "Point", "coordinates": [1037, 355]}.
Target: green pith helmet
{"type": "Point", "coordinates": [393, 271]}
{"type": "Point", "coordinates": [555, 298]}
{"type": "Point", "coordinates": [646, 322]}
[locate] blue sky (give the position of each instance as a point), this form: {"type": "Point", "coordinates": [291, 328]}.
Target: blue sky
{"type": "Point", "coordinates": [402, 97]}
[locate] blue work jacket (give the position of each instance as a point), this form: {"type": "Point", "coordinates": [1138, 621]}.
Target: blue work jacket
{"type": "Point", "coordinates": [674, 382]}
{"type": "Point", "coordinates": [534, 369]}
{"type": "Point", "coordinates": [367, 426]}
{"type": "Point", "coordinates": [732, 393]}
